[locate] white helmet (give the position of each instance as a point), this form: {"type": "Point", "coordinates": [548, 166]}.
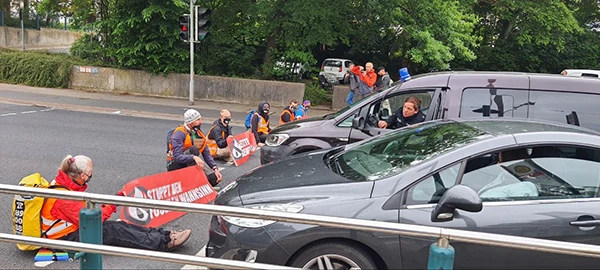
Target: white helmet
{"type": "Point", "coordinates": [190, 116]}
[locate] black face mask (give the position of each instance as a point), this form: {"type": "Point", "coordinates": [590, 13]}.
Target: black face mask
{"type": "Point", "coordinates": [226, 121]}
{"type": "Point", "coordinates": [197, 128]}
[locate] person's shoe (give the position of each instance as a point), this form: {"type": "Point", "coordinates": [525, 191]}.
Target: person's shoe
{"type": "Point", "coordinates": [178, 238]}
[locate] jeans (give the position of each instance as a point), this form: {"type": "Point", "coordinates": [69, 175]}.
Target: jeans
{"type": "Point", "coordinates": [350, 98]}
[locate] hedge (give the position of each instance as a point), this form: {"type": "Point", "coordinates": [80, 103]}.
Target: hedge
{"type": "Point", "coordinates": [39, 69]}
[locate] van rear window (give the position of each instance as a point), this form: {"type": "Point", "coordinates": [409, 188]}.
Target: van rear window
{"type": "Point", "coordinates": [332, 63]}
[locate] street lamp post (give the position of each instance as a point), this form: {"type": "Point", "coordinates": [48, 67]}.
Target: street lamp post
{"type": "Point", "coordinates": [21, 6]}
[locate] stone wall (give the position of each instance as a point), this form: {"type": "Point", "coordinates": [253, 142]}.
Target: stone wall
{"type": "Point", "coordinates": [245, 91]}
{"type": "Point", "coordinates": [11, 37]}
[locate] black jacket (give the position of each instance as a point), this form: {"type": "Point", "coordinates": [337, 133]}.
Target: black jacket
{"type": "Point", "coordinates": [219, 133]}
{"type": "Point", "coordinates": [397, 120]}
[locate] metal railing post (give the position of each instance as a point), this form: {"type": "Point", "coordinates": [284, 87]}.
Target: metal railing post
{"type": "Point", "coordinates": [1, 17]}
{"type": "Point", "coordinates": [441, 255]}
{"type": "Point", "coordinates": [90, 231]}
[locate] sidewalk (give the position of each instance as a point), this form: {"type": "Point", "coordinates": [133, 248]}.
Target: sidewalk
{"type": "Point", "coordinates": [132, 105]}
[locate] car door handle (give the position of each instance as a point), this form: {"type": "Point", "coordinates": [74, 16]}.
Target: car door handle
{"type": "Point", "coordinates": [585, 223]}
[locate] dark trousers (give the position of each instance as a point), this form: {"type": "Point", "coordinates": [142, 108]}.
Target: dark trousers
{"type": "Point", "coordinates": [171, 166]}
{"type": "Point", "coordinates": [119, 233]}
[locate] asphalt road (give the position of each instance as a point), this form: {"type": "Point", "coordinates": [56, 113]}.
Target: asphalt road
{"type": "Point", "coordinates": [123, 148]}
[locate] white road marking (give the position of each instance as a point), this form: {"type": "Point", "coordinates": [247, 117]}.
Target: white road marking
{"type": "Point", "coordinates": [28, 112]}
{"type": "Point", "coordinates": [8, 114]}
{"type": "Point", "coordinates": [47, 110]}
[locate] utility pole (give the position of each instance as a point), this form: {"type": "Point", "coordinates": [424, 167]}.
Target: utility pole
{"type": "Point", "coordinates": [191, 31]}
{"type": "Point", "coordinates": [22, 26]}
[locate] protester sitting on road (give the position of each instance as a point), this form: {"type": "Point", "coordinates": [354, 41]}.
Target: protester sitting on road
{"type": "Point", "coordinates": [260, 123]}
{"type": "Point", "coordinates": [367, 79]}
{"type": "Point", "coordinates": [186, 144]}
{"type": "Point", "coordinates": [217, 137]}
{"type": "Point", "coordinates": [409, 114]}
{"type": "Point", "coordinates": [60, 217]}
{"type": "Point", "coordinates": [289, 113]}
{"type": "Point", "coordinates": [383, 79]}
{"type": "Point", "coordinates": [351, 79]}
{"type": "Point", "coordinates": [302, 111]}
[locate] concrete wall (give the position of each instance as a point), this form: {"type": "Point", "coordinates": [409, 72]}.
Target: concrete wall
{"type": "Point", "coordinates": [243, 91]}
{"type": "Point", "coordinates": [11, 37]}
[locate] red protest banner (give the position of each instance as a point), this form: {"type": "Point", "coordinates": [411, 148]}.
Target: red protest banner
{"type": "Point", "coordinates": [184, 185]}
{"type": "Point", "coordinates": [241, 147]}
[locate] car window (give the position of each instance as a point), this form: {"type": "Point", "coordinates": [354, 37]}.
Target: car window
{"type": "Point", "coordinates": [573, 108]}
{"type": "Point", "coordinates": [394, 102]}
{"type": "Point", "coordinates": [392, 153]}
{"type": "Point", "coordinates": [493, 103]}
{"type": "Point", "coordinates": [346, 123]}
{"type": "Point", "coordinates": [332, 63]}
{"type": "Point", "coordinates": [347, 64]}
{"type": "Point", "coordinates": [537, 173]}
{"type": "Point", "coordinates": [431, 189]}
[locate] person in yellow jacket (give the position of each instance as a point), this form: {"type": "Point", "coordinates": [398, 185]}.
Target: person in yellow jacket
{"type": "Point", "coordinates": [289, 113]}
{"type": "Point", "coordinates": [259, 125]}
{"type": "Point", "coordinates": [60, 217]}
{"type": "Point", "coordinates": [217, 137]}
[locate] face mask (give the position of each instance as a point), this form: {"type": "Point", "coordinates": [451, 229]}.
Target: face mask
{"type": "Point", "coordinates": [197, 128]}
{"type": "Point", "coordinates": [226, 121]}
{"type": "Point", "coordinates": [265, 111]}
{"type": "Point", "coordinates": [307, 107]}
{"type": "Point", "coordinates": [293, 108]}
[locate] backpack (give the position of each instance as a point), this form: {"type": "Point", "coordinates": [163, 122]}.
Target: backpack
{"type": "Point", "coordinates": [169, 134]}
{"type": "Point", "coordinates": [27, 210]}
{"type": "Point", "coordinates": [249, 119]}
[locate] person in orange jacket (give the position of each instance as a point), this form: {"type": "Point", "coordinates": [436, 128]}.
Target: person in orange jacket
{"type": "Point", "coordinates": [367, 77]}
{"type": "Point", "coordinates": [60, 217]}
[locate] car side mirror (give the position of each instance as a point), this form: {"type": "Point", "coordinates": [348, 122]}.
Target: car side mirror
{"type": "Point", "coordinates": [385, 113]}
{"type": "Point", "coordinates": [358, 122]}
{"type": "Point", "coordinates": [457, 197]}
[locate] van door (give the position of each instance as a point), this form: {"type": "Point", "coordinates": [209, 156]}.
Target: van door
{"type": "Point", "coordinates": [392, 103]}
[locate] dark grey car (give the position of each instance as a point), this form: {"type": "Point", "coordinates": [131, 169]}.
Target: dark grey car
{"type": "Point", "coordinates": [536, 179]}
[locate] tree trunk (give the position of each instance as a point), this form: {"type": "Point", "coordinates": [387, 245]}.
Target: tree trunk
{"type": "Point", "coordinates": [272, 39]}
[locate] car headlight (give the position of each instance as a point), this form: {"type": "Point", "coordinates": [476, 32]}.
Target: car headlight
{"type": "Point", "coordinates": [276, 139]}
{"type": "Point", "coordinates": [257, 223]}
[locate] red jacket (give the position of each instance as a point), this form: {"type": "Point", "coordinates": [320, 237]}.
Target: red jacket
{"type": "Point", "coordinates": [68, 210]}
{"type": "Point", "coordinates": [368, 78]}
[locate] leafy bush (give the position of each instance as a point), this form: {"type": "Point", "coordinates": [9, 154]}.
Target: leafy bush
{"type": "Point", "coordinates": [36, 68]}
{"type": "Point", "coordinates": [316, 94]}
{"type": "Point", "coordinates": [88, 47]}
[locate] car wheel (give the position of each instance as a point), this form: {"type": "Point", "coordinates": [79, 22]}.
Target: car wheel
{"type": "Point", "coordinates": [334, 256]}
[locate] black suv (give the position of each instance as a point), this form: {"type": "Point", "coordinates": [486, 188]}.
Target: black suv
{"type": "Point", "coordinates": [557, 98]}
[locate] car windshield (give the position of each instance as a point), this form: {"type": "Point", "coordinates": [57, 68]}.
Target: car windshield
{"type": "Point", "coordinates": [392, 153]}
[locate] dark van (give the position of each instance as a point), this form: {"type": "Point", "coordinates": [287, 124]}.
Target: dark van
{"type": "Point", "coordinates": [556, 98]}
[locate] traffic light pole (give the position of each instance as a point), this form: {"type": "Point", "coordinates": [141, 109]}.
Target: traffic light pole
{"type": "Point", "coordinates": [191, 31]}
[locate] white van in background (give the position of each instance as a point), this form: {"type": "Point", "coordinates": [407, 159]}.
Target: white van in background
{"type": "Point", "coordinates": [335, 68]}
{"type": "Point", "coordinates": [581, 73]}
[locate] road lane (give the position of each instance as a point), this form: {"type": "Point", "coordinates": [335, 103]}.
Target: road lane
{"type": "Point", "coordinates": [35, 139]}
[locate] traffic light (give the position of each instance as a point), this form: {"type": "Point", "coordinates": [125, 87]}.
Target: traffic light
{"type": "Point", "coordinates": [184, 27]}
{"type": "Point", "coordinates": [202, 23]}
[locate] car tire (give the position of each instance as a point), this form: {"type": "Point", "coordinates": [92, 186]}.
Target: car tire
{"type": "Point", "coordinates": [334, 256]}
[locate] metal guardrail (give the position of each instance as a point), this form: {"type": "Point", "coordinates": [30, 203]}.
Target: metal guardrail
{"type": "Point", "coordinates": [490, 239]}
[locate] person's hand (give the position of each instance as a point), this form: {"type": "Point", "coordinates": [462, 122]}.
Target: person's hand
{"type": "Point", "coordinates": [121, 193]}
{"type": "Point", "coordinates": [230, 136]}
{"type": "Point", "coordinates": [382, 124]}
{"type": "Point", "coordinates": [261, 144]}
{"type": "Point", "coordinates": [199, 162]}
{"type": "Point", "coordinates": [218, 175]}
{"type": "Point", "coordinates": [112, 207]}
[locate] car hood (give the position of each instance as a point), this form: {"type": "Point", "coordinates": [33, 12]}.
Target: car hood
{"type": "Point", "coordinates": [302, 178]}
{"type": "Point", "coordinates": [302, 123]}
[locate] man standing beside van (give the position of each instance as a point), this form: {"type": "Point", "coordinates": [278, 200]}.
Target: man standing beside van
{"type": "Point", "coordinates": [367, 79]}
{"type": "Point", "coordinates": [351, 79]}
{"type": "Point", "coordinates": [409, 114]}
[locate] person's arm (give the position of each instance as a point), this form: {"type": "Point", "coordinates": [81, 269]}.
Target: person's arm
{"type": "Point", "coordinates": [369, 78]}
{"type": "Point", "coordinates": [356, 70]}
{"type": "Point", "coordinates": [177, 142]}
{"type": "Point", "coordinates": [254, 127]}
{"type": "Point", "coordinates": [215, 134]}
{"type": "Point", "coordinates": [208, 158]}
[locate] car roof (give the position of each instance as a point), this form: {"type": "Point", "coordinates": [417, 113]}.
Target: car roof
{"type": "Point", "coordinates": [505, 126]}
{"type": "Point", "coordinates": [337, 59]}
{"type": "Point", "coordinates": [537, 81]}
